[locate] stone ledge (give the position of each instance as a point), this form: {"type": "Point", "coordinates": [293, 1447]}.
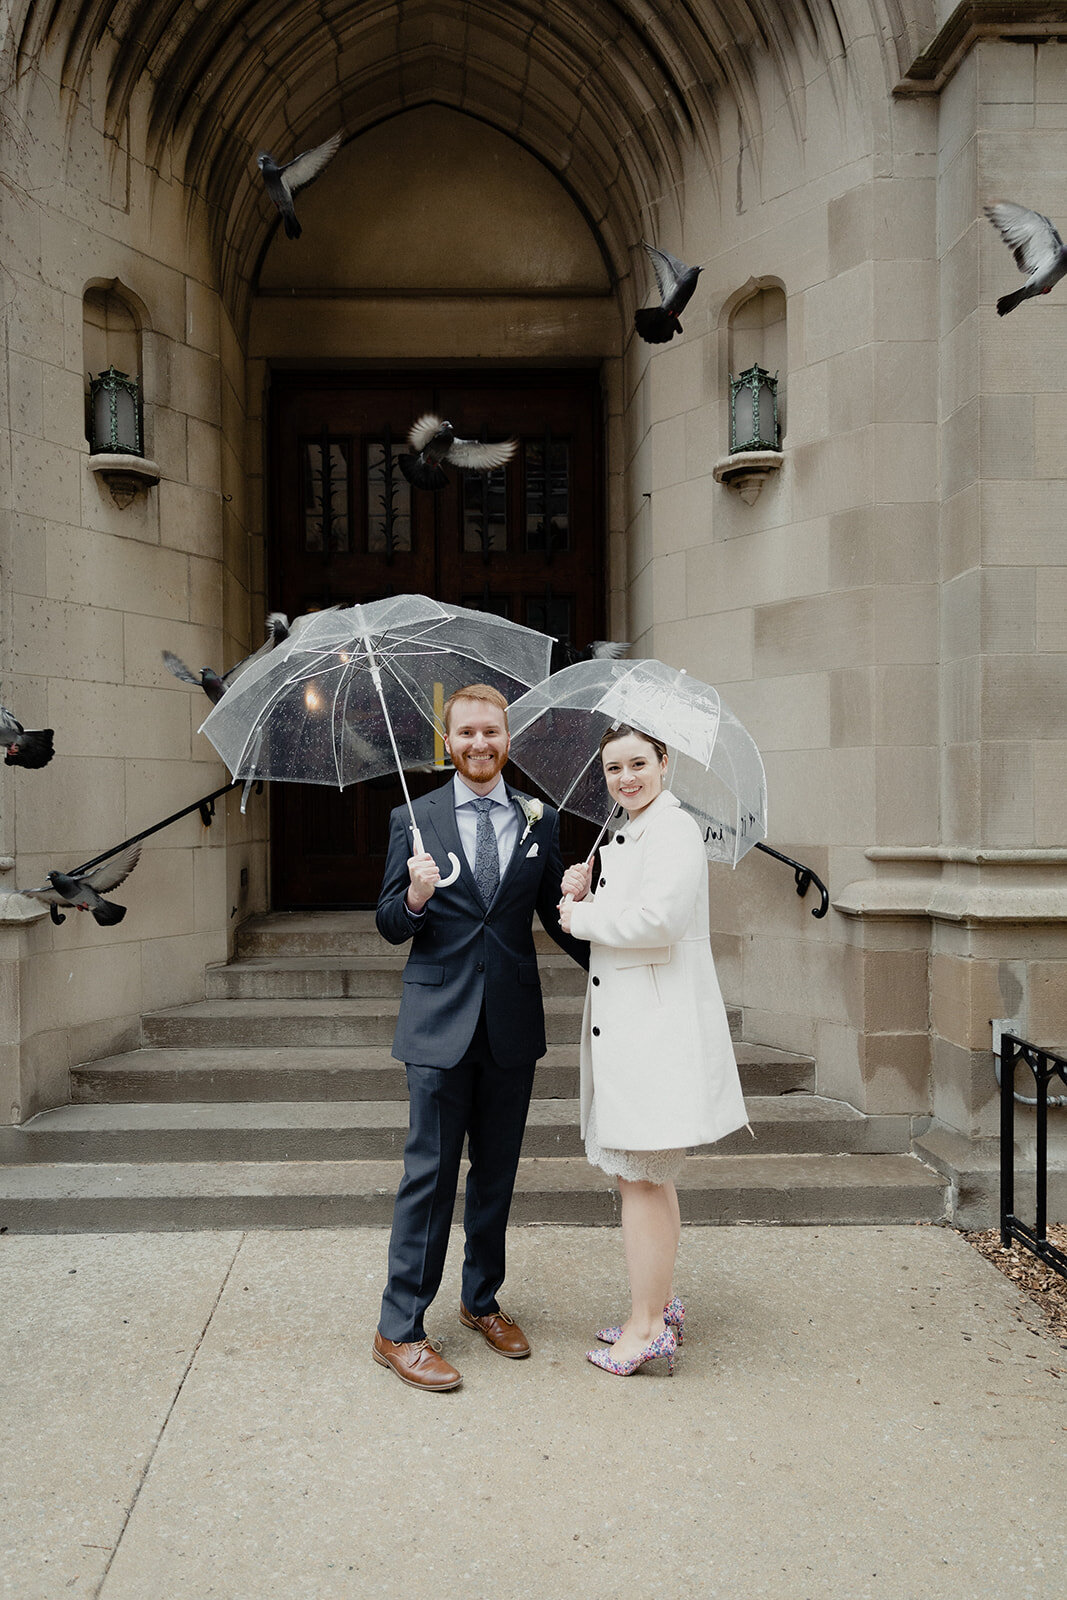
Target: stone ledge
{"type": "Point", "coordinates": [952, 902]}
{"type": "Point", "coordinates": [1028, 20]}
{"type": "Point", "coordinates": [15, 908]}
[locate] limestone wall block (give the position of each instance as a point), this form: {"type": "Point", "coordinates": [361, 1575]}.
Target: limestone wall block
{"type": "Point", "coordinates": [105, 719]}
{"type": "Point", "coordinates": [809, 413]}
{"type": "Point", "coordinates": [1007, 794]}
{"type": "Point", "coordinates": [850, 390]}
{"type": "Point", "coordinates": [1007, 435]}
{"type": "Point", "coordinates": [156, 789]}
{"type": "Point", "coordinates": [907, 807]}
{"type": "Point", "coordinates": [205, 592]}
{"type": "Point", "coordinates": [1004, 153]}
{"type": "Point", "coordinates": [716, 648]}
{"type": "Point", "coordinates": [839, 313]}
{"type": "Point", "coordinates": [145, 639]}
{"type": "Point", "coordinates": [958, 195]}
{"type": "Point", "coordinates": [95, 982]}
{"type": "Point", "coordinates": [160, 894]}
{"type": "Point", "coordinates": [1022, 523]}
{"type": "Point", "coordinates": [202, 317]}
{"type": "Point", "coordinates": [25, 393]}
{"type": "Point", "coordinates": [833, 474]}
{"type": "Point", "coordinates": [165, 440]}
{"type": "Point", "coordinates": [904, 382]}
{"type": "Point", "coordinates": [961, 616]}
{"type": "Point", "coordinates": [790, 713]}
{"type": "Point", "coordinates": [1009, 610]}
{"type": "Point", "coordinates": [35, 323]}
{"type": "Point", "coordinates": [961, 448]}
{"type": "Point", "coordinates": [905, 299]}
{"type": "Point", "coordinates": [960, 794]}
{"type": "Point", "coordinates": [1027, 355]}
{"type": "Point", "coordinates": [210, 872]}
{"type": "Point", "coordinates": [849, 229]}
{"type": "Point", "coordinates": [1047, 1005]}
{"type": "Point", "coordinates": [24, 563]}
{"type": "Point", "coordinates": [190, 518]}
{"type": "Point", "coordinates": [961, 531]}
{"type": "Point", "coordinates": [45, 474]}
{"type": "Point", "coordinates": [964, 995]}
{"type": "Point", "coordinates": [1050, 786]}
{"type": "Point", "coordinates": [194, 383]}
{"type": "Point", "coordinates": [960, 362]}
{"type": "Point", "coordinates": [771, 565]}
{"type": "Point", "coordinates": [1050, 435]}
{"type": "Point", "coordinates": [74, 817]}
{"type": "Point", "coordinates": [677, 378]}
{"type": "Point", "coordinates": [905, 622]}
{"type": "Point", "coordinates": [905, 704]}
{"type": "Point", "coordinates": [139, 521]}
{"type": "Point", "coordinates": [1006, 71]}
{"type": "Point", "coordinates": [669, 596]}
{"type": "Point", "coordinates": [1024, 697]}
{"type": "Point", "coordinates": [822, 794]}
{"type": "Point", "coordinates": [850, 698]}
{"type": "Point", "coordinates": [793, 976]}
{"type": "Point", "coordinates": [838, 1072]}
{"type": "Point", "coordinates": [896, 1072]}
{"type": "Point", "coordinates": [733, 518]}
{"type": "Point", "coordinates": [668, 454]}
{"type": "Point", "coordinates": [815, 633]}
{"type": "Point", "coordinates": [96, 569]}
{"type": "Point", "coordinates": [905, 460]}
{"type": "Point", "coordinates": [958, 283]}
{"type": "Point", "coordinates": [204, 464]}
{"type": "Point", "coordinates": [681, 515]}
{"type": "Point", "coordinates": [55, 637]}
{"type": "Point", "coordinates": [1051, 608]}
{"type": "Point", "coordinates": [172, 968]}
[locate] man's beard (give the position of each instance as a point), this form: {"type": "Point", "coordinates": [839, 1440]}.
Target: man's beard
{"type": "Point", "coordinates": [480, 771]}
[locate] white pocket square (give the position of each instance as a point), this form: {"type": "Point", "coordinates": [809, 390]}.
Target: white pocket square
{"type": "Point", "coordinates": [531, 852]}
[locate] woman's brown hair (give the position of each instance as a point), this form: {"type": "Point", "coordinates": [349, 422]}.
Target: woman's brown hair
{"type": "Point", "coordinates": [624, 731]}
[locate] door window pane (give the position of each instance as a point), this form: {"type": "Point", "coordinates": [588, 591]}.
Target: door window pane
{"type": "Point", "coordinates": [548, 496]}
{"type": "Point", "coordinates": [485, 513]}
{"type": "Point", "coordinates": [388, 498]}
{"type": "Point", "coordinates": [550, 613]}
{"type": "Point", "coordinates": [327, 524]}
{"type": "Point", "coordinates": [495, 604]}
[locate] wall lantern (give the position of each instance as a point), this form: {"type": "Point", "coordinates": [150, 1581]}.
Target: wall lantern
{"type": "Point", "coordinates": [754, 411]}
{"type": "Point", "coordinates": [115, 407]}
{"type": "Point", "coordinates": [115, 450]}
{"type": "Point", "coordinates": [755, 438]}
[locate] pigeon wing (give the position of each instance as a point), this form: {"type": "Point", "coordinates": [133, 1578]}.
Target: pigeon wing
{"type": "Point", "coordinates": [668, 269]}
{"type": "Point", "coordinates": [277, 630]}
{"type": "Point", "coordinates": [474, 456]}
{"type": "Point", "coordinates": [423, 431]}
{"type": "Point", "coordinates": [1033, 239]}
{"type": "Point", "coordinates": [109, 874]}
{"type": "Point", "coordinates": [177, 666]}
{"type": "Point", "coordinates": [46, 893]}
{"type": "Point", "coordinates": [9, 723]}
{"type": "Point", "coordinates": [304, 169]}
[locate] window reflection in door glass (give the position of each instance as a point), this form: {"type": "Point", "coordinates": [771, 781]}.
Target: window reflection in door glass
{"type": "Point", "coordinates": [485, 512]}
{"type": "Point", "coordinates": [327, 525]}
{"type": "Point", "coordinates": [388, 498]}
{"type": "Point", "coordinates": [547, 493]}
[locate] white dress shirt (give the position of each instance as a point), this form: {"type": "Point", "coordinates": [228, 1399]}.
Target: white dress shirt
{"type": "Point", "coordinates": [503, 815]}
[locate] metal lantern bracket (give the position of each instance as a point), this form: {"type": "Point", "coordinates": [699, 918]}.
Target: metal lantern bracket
{"type": "Point", "coordinates": [752, 458]}
{"type": "Point", "coordinates": [116, 447]}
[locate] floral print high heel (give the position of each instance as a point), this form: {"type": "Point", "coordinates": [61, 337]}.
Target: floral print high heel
{"type": "Point", "coordinates": [665, 1344]}
{"type": "Point", "coordinates": [673, 1316]}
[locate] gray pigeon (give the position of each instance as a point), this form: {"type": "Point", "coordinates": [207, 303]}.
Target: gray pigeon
{"type": "Point", "coordinates": [283, 182]}
{"type": "Point", "coordinates": [1037, 247]}
{"type": "Point", "coordinates": [208, 680]}
{"type": "Point", "coordinates": [565, 654]}
{"type": "Point", "coordinates": [23, 747]}
{"type": "Point", "coordinates": [434, 441]}
{"type": "Point", "coordinates": [659, 324]}
{"type": "Point", "coordinates": [85, 891]}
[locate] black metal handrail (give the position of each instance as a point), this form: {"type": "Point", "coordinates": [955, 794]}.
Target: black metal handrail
{"type": "Point", "coordinates": [804, 878]}
{"type": "Point", "coordinates": [206, 807]}
{"type": "Point", "coordinates": [1045, 1066]}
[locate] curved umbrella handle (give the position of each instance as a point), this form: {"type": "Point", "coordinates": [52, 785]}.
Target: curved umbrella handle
{"type": "Point", "coordinates": [420, 849]}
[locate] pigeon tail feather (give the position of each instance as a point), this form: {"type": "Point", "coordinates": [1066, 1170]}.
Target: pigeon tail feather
{"type": "Point", "coordinates": [293, 230]}
{"type": "Point", "coordinates": [655, 325]}
{"type": "Point", "coordinates": [108, 914]}
{"type": "Point", "coordinates": [1008, 302]}
{"type": "Point", "coordinates": [421, 474]}
{"type": "Point", "coordinates": [35, 749]}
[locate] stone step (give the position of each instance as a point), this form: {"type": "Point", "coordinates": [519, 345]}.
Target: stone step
{"type": "Point", "coordinates": [344, 934]}
{"type": "Point", "coordinates": [172, 1195]}
{"type": "Point", "coordinates": [350, 978]}
{"type": "Point", "coordinates": [376, 1130]}
{"type": "Point", "coordinates": [368, 1073]}
{"type": "Point", "coordinates": [264, 1024]}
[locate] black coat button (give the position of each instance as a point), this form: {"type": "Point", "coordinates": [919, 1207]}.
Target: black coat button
{"type": "Point", "coordinates": [620, 838]}
{"type": "Point", "coordinates": [596, 983]}
{"type": "Point", "coordinates": [596, 1033]}
{"type": "Point", "coordinates": [480, 967]}
{"type": "Point", "coordinates": [603, 881]}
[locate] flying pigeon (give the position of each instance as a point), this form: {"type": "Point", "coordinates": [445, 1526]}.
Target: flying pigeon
{"type": "Point", "coordinates": [1037, 247]}
{"type": "Point", "coordinates": [283, 182]}
{"type": "Point", "coordinates": [22, 748]}
{"type": "Point", "coordinates": [85, 891]}
{"type": "Point", "coordinates": [214, 686]}
{"type": "Point", "coordinates": [659, 324]}
{"type": "Point", "coordinates": [564, 653]}
{"type": "Point", "coordinates": [434, 441]}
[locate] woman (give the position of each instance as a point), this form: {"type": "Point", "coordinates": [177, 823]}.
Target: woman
{"type": "Point", "coordinates": [658, 1065]}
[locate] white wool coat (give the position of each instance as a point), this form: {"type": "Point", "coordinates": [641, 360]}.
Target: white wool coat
{"type": "Point", "coordinates": [656, 1044]}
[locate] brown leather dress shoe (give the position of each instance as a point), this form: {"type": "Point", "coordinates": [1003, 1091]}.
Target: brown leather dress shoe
{"type": "Point", "coordinates": [498, 1331]}
{"type": "Point", "coordinates": [418, 1362]}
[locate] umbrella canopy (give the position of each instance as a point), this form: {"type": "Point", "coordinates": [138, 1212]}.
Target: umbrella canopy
{"type": "Point", "coordinates": [355, 693]}
{"type": "Point", "coordinates": [715, 769]}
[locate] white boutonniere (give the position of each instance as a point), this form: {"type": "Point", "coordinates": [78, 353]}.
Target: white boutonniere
{"type": "Point", "coordinates": [533, 811]}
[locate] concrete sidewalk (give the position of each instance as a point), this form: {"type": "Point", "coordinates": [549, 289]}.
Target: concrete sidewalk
{"type": "Point", "coordinates": [857, 1412]}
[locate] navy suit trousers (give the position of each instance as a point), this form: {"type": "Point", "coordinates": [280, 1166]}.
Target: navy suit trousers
{"type": "Point", "coordinates": [486, 1104]}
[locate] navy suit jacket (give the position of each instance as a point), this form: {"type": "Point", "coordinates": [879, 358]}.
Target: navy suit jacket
{"type": "Point", "coordinates": [462, 954]}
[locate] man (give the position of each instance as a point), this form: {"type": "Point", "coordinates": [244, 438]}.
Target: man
{"type": "Point", "coordinates": [470, 1030]}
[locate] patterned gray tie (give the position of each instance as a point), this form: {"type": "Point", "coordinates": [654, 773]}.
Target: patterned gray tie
{"type": "Point", "coordinates": [486, 853]}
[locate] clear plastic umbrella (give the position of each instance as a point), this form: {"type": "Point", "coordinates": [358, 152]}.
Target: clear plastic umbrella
{"type": "Point", "coordinates": [355, 693]}
{"type": "Point", "coordinates": [715, 769]}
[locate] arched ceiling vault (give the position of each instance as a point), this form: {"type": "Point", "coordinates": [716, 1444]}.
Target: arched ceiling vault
{"type": "Point", "coordinates": [609, 94]}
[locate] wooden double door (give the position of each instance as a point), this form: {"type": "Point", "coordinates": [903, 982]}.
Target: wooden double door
{"type": "Point", "coordinates": [524, 542]}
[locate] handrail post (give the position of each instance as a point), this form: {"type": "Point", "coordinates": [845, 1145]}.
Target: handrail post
{"type": "Point", "coordinates": [1007, 1137]}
